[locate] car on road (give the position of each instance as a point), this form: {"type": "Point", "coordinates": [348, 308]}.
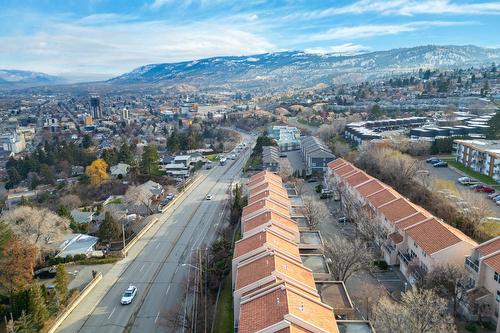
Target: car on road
{"type": "Point", "coordinates": [467, 181]}
{"type": "Point", "coordinates": [440, 164]}
{"type": "Point", "coordinates": [128, 295]}
{"type": "Point", "coordinates": [209, 197]}
{"type": "Point", "coordinates": [169, 196]}
{"type": "Point", "coordinates": [432, 160]}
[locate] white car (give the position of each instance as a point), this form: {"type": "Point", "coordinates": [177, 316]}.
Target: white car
{"type": "Point", "coordinates": [209, 197]}
{"type": "Point", "coordinates": [129, 295]}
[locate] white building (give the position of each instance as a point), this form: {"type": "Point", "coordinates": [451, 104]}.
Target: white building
{"type": "Point", "coordinates": [482, 156]}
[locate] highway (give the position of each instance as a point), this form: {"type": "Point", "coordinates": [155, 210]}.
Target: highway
{"type": "Point", "coordinates": [156, 265]}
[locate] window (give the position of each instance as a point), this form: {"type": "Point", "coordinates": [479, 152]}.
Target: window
{"type": "Point", "coordinates": [496, 277]}
{"type": "Point", "coordinates": [425, 255]}
{"type": "Point", "coordinates": [415, 244]}
{"type": "Point", "coordinates": [498, 296]}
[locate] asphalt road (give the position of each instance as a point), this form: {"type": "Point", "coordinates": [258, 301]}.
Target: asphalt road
{"type": "Point", "coordinates": [155, 264]}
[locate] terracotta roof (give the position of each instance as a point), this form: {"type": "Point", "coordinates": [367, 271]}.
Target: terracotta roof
{"type": "Point", "coordinates": [266, 217]}
{"type": "Point", "coordinates": [253, 242]}
{"type": "Point", "coordinates": [411, 220]}
{"type": "Point", "coordinates": [255, 269]}
{"type": "Point", "coordinates": [489, 247]}
{"type": "Point", "coordinates": [370, 187]}
{"type": "Point", "coordinates": [336, 163]}
{"type": "Point", "coordinates": [357, 178]}
{"type": "Point", "coordinates": [493, 262]}
{"type": "Point", "coordinates": [284, 201]}
{"type": "Point", "coordinates": [397, 209]}
{"type": "Point", "coordinates": [382, 197]}
{"type": "Point", "coordinates": [266, 186]}
{"type": "Point", "coordinates": [432, 236]}
{"type": "Point", "coordinates": [264, 204]}
{"type": "Point", "coordinates": [284, 302]}
{"type": "Point", "coordinates": [260, 180]}
{"type": "Point", "coordinates": [345, 170]}
{"type": "Point", "coordinates": [396, 237]}
{"type": "Point", "coordinates": [266, 174]}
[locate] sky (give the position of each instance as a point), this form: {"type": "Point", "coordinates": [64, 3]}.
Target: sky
{"type": "Point", "coordinates": [98, 39]}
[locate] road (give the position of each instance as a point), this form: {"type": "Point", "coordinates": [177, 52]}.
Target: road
{"type": "Point", "coordinates": [155, 264]}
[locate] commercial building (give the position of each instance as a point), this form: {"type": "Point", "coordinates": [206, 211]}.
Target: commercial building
{"type": "Point", "coordinates": [95, 107]}
{"type": "Point", "coordinates": [482, 156]}
{"type": "Point", "coordinates": [315, 154]}
{"type": "Point", "coordinates": [288, 138]}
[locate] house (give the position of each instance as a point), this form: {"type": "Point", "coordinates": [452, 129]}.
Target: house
{"type": "Point", "coordinates": [77, 170]}
{"type": "Point", "coordinates": [315, 154]}
{"type": "Point", "coordinates": [483, 267]}
{"type": "Point", "coordinates": [153, 189]}
{"type": "Point", "coordinates": [270, 158]}
{"type": "Point", "coordinates": [183, 159]}
{"type": "Point", "coordinates": [78, 244]}
{"type": "Point", "coordinates": [82, 217]}
{"type": "Point", "coordinates": [273, 290]}
{"type": "Point", "coordinates": [408, 236]}
{"type": "Point", "coordinates": [120, 170]}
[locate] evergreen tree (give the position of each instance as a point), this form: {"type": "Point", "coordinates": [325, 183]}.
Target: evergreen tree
{"type": "Point", "coordinates": [109, 230]}
{"type": "Point", "coordinates": [150, 162]}
{"type": "Point", "coordinates": [125, 154]}
{"type": "Point", "coordinates": [37, 307]}
{"type": "Point", "coordinates": [61, 283]}
{"type": "Point", "coordinates": [87, 141]}
{"type": "Point", "coordinates": [173, 142]}
{"type": "Point", "coordinates": [493, 132]}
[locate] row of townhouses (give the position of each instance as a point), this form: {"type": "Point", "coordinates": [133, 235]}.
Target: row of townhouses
{"type": "Point", "coordinates": [413, 238]}
{"type": "Point", "coordinates": [273, 290]}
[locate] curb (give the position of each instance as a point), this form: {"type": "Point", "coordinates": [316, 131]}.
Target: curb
{"type": "Point", "coordinates": [59, 320]}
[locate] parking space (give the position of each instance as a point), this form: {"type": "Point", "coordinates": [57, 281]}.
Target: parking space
{"type": "Point", "coordinates": [451, 174]}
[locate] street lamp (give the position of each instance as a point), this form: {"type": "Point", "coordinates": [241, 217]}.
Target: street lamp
{"type": "Point", "coordinates": [202, 270]}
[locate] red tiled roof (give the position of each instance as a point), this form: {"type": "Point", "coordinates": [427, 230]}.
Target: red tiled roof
{"type": "Point", "coordinates": [397, 210]}
{"type": "Point", "coordinates": [382, 197]}
{"type": "Point", "coordinates": [284, 201]}
{"type": "Point", "coordinates": [266, 174]}
{"type": "Point", "coordinates": [253, 242]}
{"type": "Point", "coordinates": [336, 163]}
{"type": "Point", "coordinates": [493, 262]}
{"type": "Point", "coordinates": [345, 170]}
{"type": "Point", "coordinates": [264, 204]}
{"type": "Point", "coordinates": [357, 178]}
{"type": "Point", "coordinates": [411, 220]}
{"type": "Point", "coordinates": [266, 217]}
{"type": "Point", "coordinates": [370, 187]}
{"type": "Point", "coordinates": [432, 236]}
{"type": "Point", "coordinates": [489, 247]}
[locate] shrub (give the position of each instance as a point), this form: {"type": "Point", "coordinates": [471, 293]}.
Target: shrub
{"type": "Point", "coordinates": [381, 264]}
{"type": "Point", "coordinates": [319, 188]}
{"type": "Point", "coordinates": [470, 327]}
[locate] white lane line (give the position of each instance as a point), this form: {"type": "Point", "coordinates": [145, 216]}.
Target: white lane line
{"type": "Point", "coordinates": [168, 289]}
{"type": "Point", "coordinates": [142, 267]}
{"type": "Point", "coordinates": [112, 313]}
{"type": "Point", "coordinates": [157, 315]}
{"type": "Point", "coordinates": [157, 245]}
{"type": "Point", "coordinates": [176, 271]}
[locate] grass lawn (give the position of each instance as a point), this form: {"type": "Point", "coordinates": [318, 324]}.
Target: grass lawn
{"type": "Point", "coordinates": [479, 176]}
{"type": "Point", "coordinates": [224, 318]}
{"type": "Point", "coordinates": [490, 229]}
{"type": "Point", "coordinates": [212, 157]}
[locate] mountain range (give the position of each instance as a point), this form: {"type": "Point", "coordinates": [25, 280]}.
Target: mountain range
{"type": "Point", "coordinates": [296, 69]}
{"type": "Point", "coordinates": [279, 70]}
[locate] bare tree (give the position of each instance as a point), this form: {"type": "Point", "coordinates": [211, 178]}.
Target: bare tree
{"type": "Point", "coordinates": [38, 225]}
{"type": "Point", "coordinates": [369, 227]}
{"type": "Point", "coordinates": [474, 214]}
{"type": "Point", "coordinates": [448, 281]}
{"type": "Point", "coordinates": [370, 295]}
{"type": "Point", "coordinates": [298, 183]}
{"type": "Point", "coordinates": [421, 311]}
{"type": "Point", "coordinates": [285, 169]}
{"type": "Point", "coordinates": [347, 257]}
{"type": "Point", "coordinates": [136, 195]}
{"type": "Point", "coordinates": [326, 132]}
{"type": "Point", "coordinates": [315, 211]}
{"type": "Point", "coordinates": [70, 201]}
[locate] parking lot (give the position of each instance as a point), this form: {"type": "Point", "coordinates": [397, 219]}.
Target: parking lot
{"type": "Point", "coordinates": [451, 174]}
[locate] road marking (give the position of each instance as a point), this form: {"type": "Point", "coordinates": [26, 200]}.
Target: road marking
{"type": "Point", "coordinates": [176, 270]}
{"type": "Point", "coordinates": [157, 245]}
{"type": "Point", "coordinates": [168, 289]}
{"type": "Point", "coordinates": [112, 313]}
{"type": "Point", "coordinates": [157, 315]}
{"type": "Point", "coordinates": [142, 267]}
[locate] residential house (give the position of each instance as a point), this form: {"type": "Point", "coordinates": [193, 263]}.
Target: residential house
{"type": "Point", "coordinates": [120, 170]}
{"type": "Point", "coordinates": [270, 158]}
{"type": "Point", "coordinates": [78, 244]}
{"type": "Point", "coordinates": [315, 154]}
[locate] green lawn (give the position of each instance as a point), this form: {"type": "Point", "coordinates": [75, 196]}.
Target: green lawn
{"type": "Point", "coordinates": [479, 176]}
{"type": "Point", "coordinates": [212, 157]}
{"type": "Point", "coordinates": [224, 318]}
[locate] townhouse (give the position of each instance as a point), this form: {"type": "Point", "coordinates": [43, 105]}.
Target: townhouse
{"type": "Point", "coordinates": [273, 290]}
{"type": "Point", "coordinates": [315, 154]}
{"type": "Point", "coordinates": [410, 236]}
{"type": "Point", "coordinates": [483, 267]}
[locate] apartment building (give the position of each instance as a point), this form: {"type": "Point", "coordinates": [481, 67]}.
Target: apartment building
{"type": "Point", "coordinates": [409, 236]}
{"type": "Point", "coordinates": [316, 155]}
{"type": "Point", "coordinates": [288, 138]}
{"type": "Point", "coordinates": [483, 266]}
{"type": "Point", "coordinates": [482, 156]}
{"type": "Point", "coordinates": [273, 290]}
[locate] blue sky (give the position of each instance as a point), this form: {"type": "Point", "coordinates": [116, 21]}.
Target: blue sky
{"type": "Point", "coordinates": [90, 39]}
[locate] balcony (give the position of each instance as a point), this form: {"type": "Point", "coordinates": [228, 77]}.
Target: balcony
{"type": "Point", "coordinates": [406, 258]}
{"type": "Point", "coordinates": [470, 264]}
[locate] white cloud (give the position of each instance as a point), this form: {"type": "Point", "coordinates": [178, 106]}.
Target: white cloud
{"type": "Point", "coordinates": [343, 49]}
{"type": "Point", "coordinates": [409, 7]}
{"type": "Point", "coordinates": [371, 30]}
{"type": "Point", "coordinates": [113, 49]}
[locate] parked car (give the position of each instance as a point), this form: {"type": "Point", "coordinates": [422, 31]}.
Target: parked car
{"type": "Point", "coordinates": [495, 197]}
{"type": "Point", "coordinates": [467, 181]}
{"type": "Point", "coordinates": [343, 219]}
{"type": "Point", "coordinates": [326, 191]}
{"type": "Point", "coordinates": [485, 189]}
{"type": "Point", "coordinates": [440, 164]}
{"type": "Point", "coordinates": [312, 180]}
{"type": "Point", "coordinates": [128, 295]}
{"type": "Point", "coordinates": [492, 195]}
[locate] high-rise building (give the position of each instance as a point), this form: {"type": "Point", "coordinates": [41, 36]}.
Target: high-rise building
{"type": "Point", "coordinates": [125, 114]}
{"type": "Point", "coordinates": [95, 107]}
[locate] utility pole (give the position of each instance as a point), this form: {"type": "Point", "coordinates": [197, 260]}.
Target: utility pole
{"type": "Point", "coordinates": [123, 235]}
